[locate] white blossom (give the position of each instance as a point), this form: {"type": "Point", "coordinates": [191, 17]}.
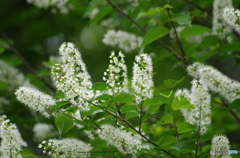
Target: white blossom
{"type": "Point", "coordinates": [42, 131]}
{"type": "Point", "coordinates": [72, 77]}
{"type": "Point", "coordinates": [142, 82]}
{"type": "Point", "coordinates": [124, 40]}
{"type": "Point", "coordinates": [11, 76]}
{"type": "Point", "coordinates": [116, 74]}
{"type": "Point", "coordinates": [35, 100]}
{"type": "Point", "coordinates": [232, 18]}
{"type": "Point", "coordinates": [11, 140]}
{"type": "Point", "coordinates": [201, 99]}
{"type": "Point", "coordinates": [68, 147]}
{"type": "Point", "coordinates": [125, 142]}
{"type": "Point", "coordinates": [61, 5]}
{"type": "Point", "coordinates": [216, 81]}
{"type": "Point", "coordinates": [220, 143]}
{"type": "Point", "coordinates": [219, 26]}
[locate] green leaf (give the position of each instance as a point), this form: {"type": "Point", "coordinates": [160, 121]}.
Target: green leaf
{"type": "Point", "coordinates": [103, 97]}
{"type": "Point", "coordinates": [30, 156]}
{"type": "Point", "coordinates": [101, 86]}
{"type": "Point", "coordinates": [185, 127]}
{"type": "Point", "coordinates": [64, 123]}
{"type": "Point", "coordinates": [1, 50]}
{"type": "Point", "coordinates": [59, 104]}
{"type": "Point", "coordinates": [3, 44]}
{"type": "Point", "coordinates": [167, 6]}
{"type": "Point", "coordinates": [166, 119]}
{"type": "Point", "coordinates": [101, 14]}
{"type": "Point", "coordinates": [194, 30]}
{"type": "Point", "coordinates": [59, 94]}
{"type": "Point", "coordinates": [131, 114]}
{"type": "Point", "coordinates": [91, 6]}
{"type": "Point", "coordinates": [157, 99]}
{"type": "Point", "coordinates": [235, 104]}
{"type": "Point", "coordinates": [154, 34]}
{"type": "Point", "coordinates": [182, 19]}
{"type": "Point", "coordinates": [150, 12]}
{"type": "Point", "coordinates": [127, 108]}
{"type": "Point", "coordinates": [124, 97]}
{"type": "Point", "coordinates": [181, 103]}
{"type": "Point", "coordinates": [44, 72]}
{"type": "Point", "coordinates": [167, 140]}
{"type": "Point", "coordinates": [172, 83]}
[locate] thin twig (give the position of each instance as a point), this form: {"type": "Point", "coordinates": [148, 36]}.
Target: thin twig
{"type": "Point", "coordinates": [30, 68]}
{"type": "Point", "coordinates": [198, 7]}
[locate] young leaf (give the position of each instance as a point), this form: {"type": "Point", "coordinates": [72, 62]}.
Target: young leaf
{"type": "Point", "coordinates": [194, 30]}
{"type": "Point", "coordinates": [185, 127]}
{"type": "Point", "coordinates": [154, 34]}
{"type": "Point", "coordinates": [182, 19]}
{"type": "Point", "coordinates": [59, 104]}
{"type": "Point", "coordinates": [181, 103]}
{"type": "Point", "coordinates": [131, 115]}
{"type": "Point", "coordinates": [167, 140]}
{"type": "Point", "coordinates": [127, 108]}
{"type": "Point", "coordinates": [64, 123]}
{"type": "Point", "coordinates": [30, 156]}
{"type": "Point", "coordinates": [124, 97]}
{"type": "Point", "coordinates": [157, 99]}
{"type": "Point", "coordinates": [235, 104]}
{"type": "Point", "coordinates": [101, 86]}
{"type": "Point", "coordinates": [44, 72]}
{"type": "Point", "coordinates": [150, 12]}
{"type": "Point", "coordinates": [166, 119]}
{"type": "Point", "coordinates": [103, 97]}
{"type": "Point", "coordinates": [172, 83]}
{"type": "Point", "coordinates": [59, 94]}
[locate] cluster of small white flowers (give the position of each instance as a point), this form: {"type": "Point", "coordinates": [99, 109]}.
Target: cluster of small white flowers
{"type": "Point", "coordinates": [68, 147]}
{"type": "Point", "coordinates": [220, 143]}
{"type": "Point", "coordinates": [35, 100]}
{"type": "Point", "coordinates": [201, 99]}
{"type": "Point", "coordinates": [192, 39]}
{"type": "Point", "coordinates": [116, 74]}
{"type": "Point", "coordinates": [232, 17]}
{"type": "Point", "coordinates": [216, 81]}
{"type": "Point", "coordinates": [89, 134]}
{"type": "Point", "coordinates": [42, 131]}
{"type": "Point", "coordinates": [219, 26]}
{"type": "Point", "coordinates": [124, 40]}
{"type": "Point", "coordinates": [142, 82]}
{"type": "Point", "coordinates": [72, 77]}
{"type": "Point", "coordinates": [11, 140]}
{"type": "Point", "coordinates": [125, 142]}
{"type": "Point", "coordinates": [11, 76]}
{"type": "Point", "coordinates": [61, 5]}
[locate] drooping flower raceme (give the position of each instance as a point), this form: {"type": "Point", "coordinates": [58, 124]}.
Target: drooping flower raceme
{"type": "Point", "coordinates": [219, 26]}
{"type": "Point", "coordinates": [124, 40]}
{"type": "Point", "coordinates": [42, 131]}
{"type": "Point", "coordinates": [220, 143]}
{"type": "Point", "coordinates": [232, 17]}
{"type": "Point", "coordinates": [68, 147]}
{"type": "Point", "coordinates": [72, 77]}
{"type": "Point", "coordinates": [36, 100]}
{"type": "Point", "coordinates": [142, 82]}
{"type": "Point", "coordinates": [216, 81]}
{"type": "Point", "coordinates": [201, 99]}
{"type": "Point", "coordinates": [12, 76]}
{"type": "Point", "coordinates": [61, 5]}
{"type": "Point", "coordinates": [125, 142]}
{"type": "Point", "coordinates": [116, 74]}
{"type": "Point", "coordinates": [11, 140]}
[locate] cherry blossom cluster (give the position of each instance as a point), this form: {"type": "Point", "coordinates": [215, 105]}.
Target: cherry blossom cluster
{"type": "Point", "coordinates": [220, 143]}
{"type": "Point", "coordinates": [232, 17]}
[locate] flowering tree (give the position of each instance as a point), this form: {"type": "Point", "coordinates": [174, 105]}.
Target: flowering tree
{"type": "Point", "coordinates": [168, 88]}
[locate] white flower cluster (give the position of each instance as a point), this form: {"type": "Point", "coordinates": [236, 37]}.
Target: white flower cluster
{"type": "Point", "coordinates": [125, 142]}
{"type": "Point", "coordinates": [11, 76]}
{"type": "Point", "coordinates": [116, 74]}
{"type": "Point", "coordinates": [216, 81]}
{"type": "Point", "coordinates": [36, 100]}
{"type": "Point", "coordinates": [142, 82]}
{"type": "Point", "coordinates": [220, 143]}
{"type": "Point", "coordinates": [68, 147]}
{"type": "Point", "coordinates": [201, 99]}
{"type": "Point", "coordinates": [61, 5]}
{"type": "Point", "coordinates": [124, 40]}
{"type": "Point", "coordinates": [11, 140]}
{"type": "Point", "coordinates": [72, 77]}
{"type": "Point", "coordinates": [232, 17]}
{"type": "Point", "coordinates": [42, 131]}
{"type": "Point", "coordinates": [219, 26]}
